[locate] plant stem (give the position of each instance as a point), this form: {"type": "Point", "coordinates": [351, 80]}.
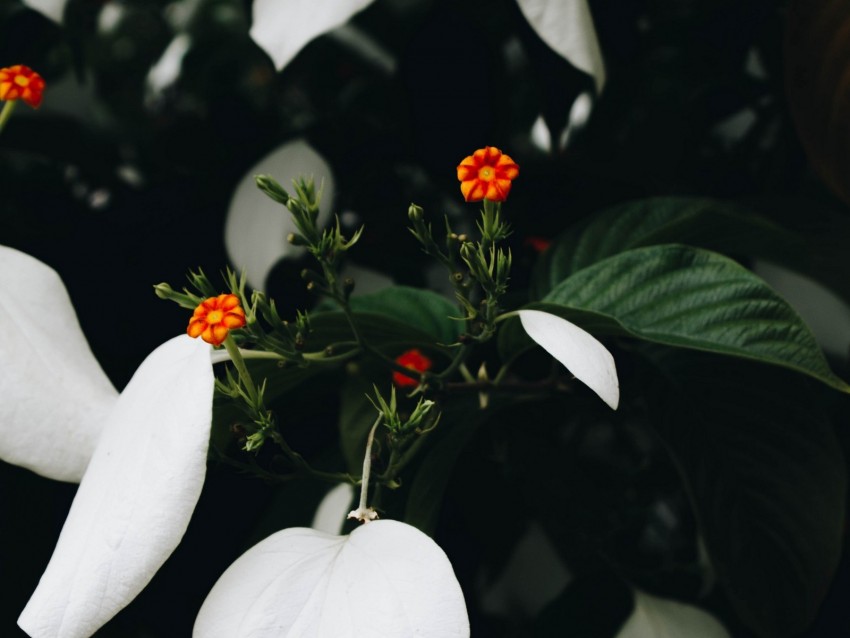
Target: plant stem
{"type": "Point", "coordinates": [6, 113]}
{"type": "Point", "coordinates": [244, 375]}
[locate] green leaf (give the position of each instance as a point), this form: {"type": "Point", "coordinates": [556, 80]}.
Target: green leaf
{"type": "Point", "coordinates": [688, 298]}
{"type": "Point", "coordinates": [391, 318]}
{"type": "Point", "coordinates": [415, 311]}
{"type": "Point", "coordinates": [706, 223]}
{"type": "Point", "coordinates": [425, 499]}
{"type": "Point", "coordinates": [767, 480]}
{"type": "Point", "coordinates": [357, 414]}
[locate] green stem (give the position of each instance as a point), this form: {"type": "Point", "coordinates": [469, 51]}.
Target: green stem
{"type": "Point", "coordinates": [244, 375]}
{"type": "Point", "coordinates": [6, 113]}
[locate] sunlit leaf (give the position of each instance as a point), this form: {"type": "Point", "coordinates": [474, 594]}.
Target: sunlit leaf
{"type": "Point", "coordinates": [282, 29]}
{"type": "Point", "coordinates": [136, 497]}
{"type": "Point", "coordinates": [567, 27]}
{"type": "Point", "coordinates": [55, 395]}
{"type": "Point", "coordinates": [386, 579]}
{"type": "Point", "coordinates": [655, 617]}
{"type": "Point", "coordinates": [581, 353]}
{"type": "Point", "coordinates": [257, 227]}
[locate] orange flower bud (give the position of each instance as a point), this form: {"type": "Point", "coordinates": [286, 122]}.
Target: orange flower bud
{"type": "Point", "coordinates": [486, 174]}
{"type": "Point", "coordinates": [215, 317]}
{"type": "Point", "coordinates": [20, 82]}
{"type": "Point", "coordinates": [414, 360]}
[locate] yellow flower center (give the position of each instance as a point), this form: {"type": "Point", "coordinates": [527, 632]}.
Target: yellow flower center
{"type": "Point", "coordinates": [215, 316]}
{"type": "Point", "coordinates": [20, 80]}
{"type": "Point", "coordinates": [486, 173]}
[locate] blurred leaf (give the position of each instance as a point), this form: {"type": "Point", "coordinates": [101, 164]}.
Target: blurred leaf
{"type": "Point", "coordinates": [425, 499]}
{"type": "Point", "coordinates": [567, 27]}
{"type": "Point", "coordinates": [592, 606]}
{"type": "Point", "coordinates": [706, 223]}
{"type": "Point", "coordinates": [53, 9]}
{"type": "Point", "coordinates": [655, 617]}
{"type": "Point", "coordinates": [282, 29]}
{"type": "Point", "coordinates": [817, 61]}
{"type": "Point", "coordinates": [357, 414]}
{"type": "Point", "coordinates": [768, 483]}
{"type": "Point", "coordinates": [688, 298]}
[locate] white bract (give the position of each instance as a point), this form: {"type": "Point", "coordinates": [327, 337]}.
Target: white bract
{"type": "Point", "coordinates": [141, 455]}
{"type": "Point", "coordinates": [579, 351]}
{"type": "Point", "coordinates": [567, 27]}
{"type": "Point", "coordinates": [136, 498]}
{"type": "Point", "coordinates": [282, 29]}
{"type": "Point", "coordinates": [384, 580]}
{"type": "Point", "coordinates": [655, 617]}
{"type": "Point", "coordinates": [53, 9]}
{"type": "Point", "coordinates": [256, 228]}
{"type": "Point", "coordinates": [52, 432]}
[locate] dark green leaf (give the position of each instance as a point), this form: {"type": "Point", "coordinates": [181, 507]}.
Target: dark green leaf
{"type": "Point", "coordinates": [768, 483]}
{"type": "Point", "coordinates": [422, 309]}
{"type": "Point", "coordinates": [705, 223]}
{"type": "Point", "coordinates": [689, 298]}
{"type": "Point", "coordinates": [425, 500]}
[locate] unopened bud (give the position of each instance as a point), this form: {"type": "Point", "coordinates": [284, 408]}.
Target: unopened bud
{"type": "Point", "coordinates": [415, 213]}
{"type": "Point", "coordinates": [270, 187]}
{"type": "Point", "coordinates": [296, 240]}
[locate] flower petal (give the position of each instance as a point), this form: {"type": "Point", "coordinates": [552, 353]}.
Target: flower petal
{"type": "Point", "coordinates": [567, 27]}
{"type": "Point", "coordinates": [136, 498]}
{"type": "Point", "coordinates": [655, 617]}
{"type": "Point", "coordinates": [580, 352]}
{"type": "Point", "coordinates": [386, 579]}
{"type": "Point", "coordinates": [256, 228]}
{"type": "Point", "coordinates": [282, 29]}
{"type": "Point", "coordinates": [55, 395]}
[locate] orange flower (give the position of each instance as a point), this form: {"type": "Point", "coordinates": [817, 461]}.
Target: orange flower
{"type": "Point", "coordinates": [414, 360]}
{"type": "Point", "coordinates": [21, 82]}
{"type": "Point", "coordinates": [486, 174]}
{"type": "Point", "coordinates": [215, 317]}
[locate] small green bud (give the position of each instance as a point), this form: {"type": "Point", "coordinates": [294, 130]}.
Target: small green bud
{"type": "Point", "coordinates": [272, 188]}
{"type": "Point", "coordinates": [297, 240]}
{"type": "Point", "coordinates": [415, 213]}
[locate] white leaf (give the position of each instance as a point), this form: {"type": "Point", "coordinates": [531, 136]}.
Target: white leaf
{"type": "Point", "coordinates": [53, 9]}
{"type": "Point", "coordinates": [282, 29]}
{"type": "Point", "coordinates": [655, 617]}
{"type": "Point", "coordinates": [567, 27]}
{"type": "Point", "coordinates": [136, 498]}
{"type": "Point", "coordinates": [257, 226]}
{"type": "Point", "coordinates": [332, 511]}
{"type": "Point", "coordinates": [385, 580]}
{"type": "Point", "coordinates": [55, 395]}
{"type": "Point", "coordinates": [580, 352]}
